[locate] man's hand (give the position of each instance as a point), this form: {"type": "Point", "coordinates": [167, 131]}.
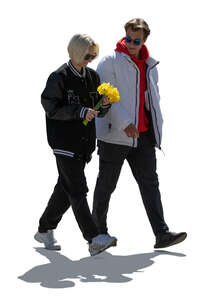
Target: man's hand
{"type": "Point", "coordinates": [91, 114]}
{"type": "Point", "coordinates": [131, 131]}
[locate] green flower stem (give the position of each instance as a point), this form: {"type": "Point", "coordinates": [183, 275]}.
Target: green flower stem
{"type": "Point", "coordinates": [96, 107]}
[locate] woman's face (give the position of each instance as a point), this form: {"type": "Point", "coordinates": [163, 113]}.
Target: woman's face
{"type": "Point", "coordinates": [89, 56]}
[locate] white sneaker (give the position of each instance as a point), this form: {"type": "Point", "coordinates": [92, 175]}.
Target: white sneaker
{"type": "Point", "coordinates": [100, 243]}
{"type": "Point", "coordinates": [48, 239]}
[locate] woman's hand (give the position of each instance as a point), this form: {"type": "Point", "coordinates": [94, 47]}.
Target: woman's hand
{"type": "Point", "coordinates": [106, 101]}
{"type": "Point", "coordinates": [91, 114]}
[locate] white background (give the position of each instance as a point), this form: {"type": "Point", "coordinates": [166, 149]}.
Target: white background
{"type": "Point", "coordinates": [34, 37]}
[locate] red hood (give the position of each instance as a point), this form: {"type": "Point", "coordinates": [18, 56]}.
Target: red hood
{"type": "Point", "coordinates": [121, 47]}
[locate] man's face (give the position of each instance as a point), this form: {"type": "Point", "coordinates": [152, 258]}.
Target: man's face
{"type": "Point", "coordinates": [132, 41]}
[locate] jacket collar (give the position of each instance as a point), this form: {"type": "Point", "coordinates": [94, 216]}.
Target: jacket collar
{"type": "Point", "coordinates": [75, 72]}
{"type": "Point", "coordinates": [151, 62]}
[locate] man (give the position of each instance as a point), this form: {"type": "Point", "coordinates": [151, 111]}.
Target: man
{"type": "Point", "coordinates": [131, 130]}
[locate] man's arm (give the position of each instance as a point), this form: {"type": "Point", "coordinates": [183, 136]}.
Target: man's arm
{"type": "Point", "coordinates": [106, 72]}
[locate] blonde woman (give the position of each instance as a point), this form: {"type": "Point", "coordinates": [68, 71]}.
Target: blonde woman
{"type": "Point", "coordinates": [68, 99]}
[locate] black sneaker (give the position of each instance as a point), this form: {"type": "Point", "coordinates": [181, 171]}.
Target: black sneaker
{"type": "Point", "coordinates": [167, 239]}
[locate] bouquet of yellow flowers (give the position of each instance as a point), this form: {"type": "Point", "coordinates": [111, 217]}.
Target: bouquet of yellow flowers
{"type": "Point", "coordinates": [106, 90]}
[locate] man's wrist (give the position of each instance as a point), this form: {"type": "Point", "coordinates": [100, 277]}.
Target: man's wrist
{"type": "Point", "coordinates": [106, 105]}
{"type": "Point", "coordinates": [128, 124]}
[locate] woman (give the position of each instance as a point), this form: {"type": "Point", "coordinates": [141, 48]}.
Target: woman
{"type": "Point", "coordinates": [68, 99]}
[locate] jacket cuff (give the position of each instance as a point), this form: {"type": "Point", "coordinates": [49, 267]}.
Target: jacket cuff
{"type": "Point", "coordinates": [126, 124]}
{"type": "Point", "coordinates": [106, 106]}
{"type": "Point", "coordinates": [83, 112]}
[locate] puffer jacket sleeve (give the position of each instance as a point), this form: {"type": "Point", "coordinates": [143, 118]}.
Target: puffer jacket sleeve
{"type": "Point", "coordinates": [53, 102]}
{"type": "Point", "coordinates": [119, 115]}
{"type": "Point", "coordinates": [156, 78]}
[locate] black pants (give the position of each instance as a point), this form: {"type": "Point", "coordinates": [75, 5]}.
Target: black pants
{"type": "Point", "coordinates": [142, 161]}
{"type": "Point", "coordinates": [71, 190]}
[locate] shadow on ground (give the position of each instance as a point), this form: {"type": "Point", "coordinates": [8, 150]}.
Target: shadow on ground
{"type": "Point", "coordinates": [60, 271]}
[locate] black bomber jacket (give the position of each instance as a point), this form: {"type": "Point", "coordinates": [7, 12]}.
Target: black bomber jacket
{"type": "Point", "coordinates": [66, 98]}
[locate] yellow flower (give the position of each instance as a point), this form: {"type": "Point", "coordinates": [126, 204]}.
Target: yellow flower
{"type": "Point", "coordinates": [106, 89]}
{"type": "Point", "coordinates": [109, 91]}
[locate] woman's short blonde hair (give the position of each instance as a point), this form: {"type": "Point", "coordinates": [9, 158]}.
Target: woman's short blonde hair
{"type": "Point", "coordinates": [79, 45]}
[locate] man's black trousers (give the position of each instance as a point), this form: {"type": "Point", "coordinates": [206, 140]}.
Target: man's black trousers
{"type": "Point", "coordinates": [71, 190]}
{"type": "Point", "coordinates": [142, 161]}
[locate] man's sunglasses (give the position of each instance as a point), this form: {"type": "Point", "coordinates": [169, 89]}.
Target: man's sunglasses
{"type": "Point", "coordinates": [88, 56]}
{"type": "Point", "coordinates": [136, 42]}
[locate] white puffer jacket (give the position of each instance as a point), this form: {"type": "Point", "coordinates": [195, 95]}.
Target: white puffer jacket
{"type": "Point", "coordinates": [122, 72]}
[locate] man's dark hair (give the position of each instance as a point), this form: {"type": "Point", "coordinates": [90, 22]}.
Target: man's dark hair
{"type": "Point", "coordinates": [138, 24]}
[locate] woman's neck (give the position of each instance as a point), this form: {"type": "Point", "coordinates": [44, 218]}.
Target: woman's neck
{"type": "Point", "coordinates": [78, 67]}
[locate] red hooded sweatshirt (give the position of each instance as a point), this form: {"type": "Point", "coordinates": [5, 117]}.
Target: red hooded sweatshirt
{"type": "Point", "coordinates": [143, 123]}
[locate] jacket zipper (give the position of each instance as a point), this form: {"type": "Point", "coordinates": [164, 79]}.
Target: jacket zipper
{"type": "Point", "coordinates": [137, 77]}
{"type": "Point", "coordinates": [150, 100]}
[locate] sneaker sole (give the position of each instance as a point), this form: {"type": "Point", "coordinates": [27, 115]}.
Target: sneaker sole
{"type": "Point", "coordinates": [112, 244]}
{"type": "Point", "coordinates": [177, 241]}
